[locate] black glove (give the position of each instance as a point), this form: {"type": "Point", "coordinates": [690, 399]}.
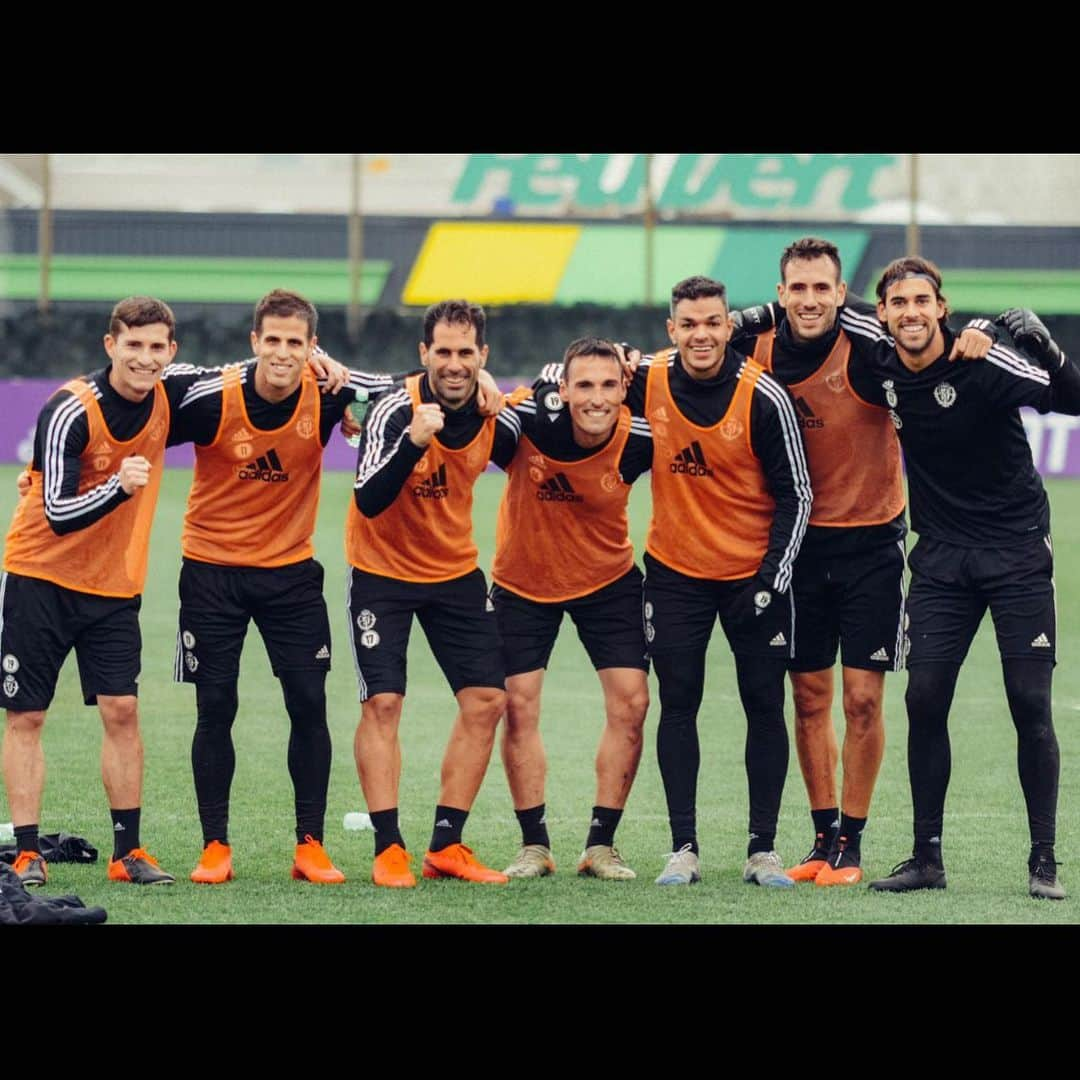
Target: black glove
{"type": "Point", "coordinates": [752, 601]}
{"type": "Point", "coordinates": [1030, 334]}
{"type": "Point", "coordinates": [753, 320]}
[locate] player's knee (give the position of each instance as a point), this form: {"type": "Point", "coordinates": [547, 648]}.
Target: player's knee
{"type": "Point", "coordinates": [305, 697]}
{"type": "Point", "coordinates": [812, 707]}
{"type": "Point", "coordinates": [1030, 706]}
{"type": "Point", "coordinates": [383, 712]}
{"type": "Point", "coordinates": [26, 723]}
{"type": "Point", "coordinates": [522, 711]}
{"type": "Point", "coordinates": [216, 704]}
{"type": "Point", "coordinates": [627, 711]}
{"type": "Point", "coordinates": [120, 715]}
{"type": "Point", "coordinates": [482, 706]}
{"type": "Point", "coordinates": [929, 695]}
{"type": "Point", "coordinates": [862, 711]}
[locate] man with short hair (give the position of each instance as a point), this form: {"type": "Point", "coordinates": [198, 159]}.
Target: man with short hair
{"type": "Point", "coordinates": [410, 547]}
{"type": "Point", "coordinates": [849, 574]}
{"type": "Point", "coordinates": [75, 564]}
{"type": "Point", "coordinates": [731, 499]}
{"type": "Point", "coordinates": [259, 431]}
{"type": "Point", "coordinates": [562, 545]}
{"type": "Point", "coordinates": [983, 521]}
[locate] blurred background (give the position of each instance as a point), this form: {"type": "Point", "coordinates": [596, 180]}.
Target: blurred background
{"type": "Point", "coordinates": [553, 245]}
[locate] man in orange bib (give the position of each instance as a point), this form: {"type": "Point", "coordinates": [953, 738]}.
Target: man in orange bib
{"type": "Point", "coordinates": [259, 431]}
{"type": "Point", "coordinates": [74, 567]}
{"type": "Point", "coordinates": [731, 499]}
{"type": "Point", "coordinates": [409, 543]}
{"type": "Point", "coordinates": [562, 545]}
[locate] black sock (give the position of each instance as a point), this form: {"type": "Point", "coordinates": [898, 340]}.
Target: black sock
{"type": "Point", "coordinates": [533, 822]}
{"type": "Point", "coordinates": [125, 831]}
{"type": "Point", "coordinates": [826, 823]}
{"type": "Point", "coordinates": [760, 842]}
{"type": "Point", "coordinates": [387, 831]}
{"type": "Point", "coordinates": [448, 825]}
{"type": "Point", "coordinates": [213, 759]}
{"type": "Point", "coordinates": [928, 697]}
{"type": "Point", "coordinates": [682, 681]}
{"type": "Point", "coordinates": [309, 749]}
{"type": "Point", "coordinates": [851, 831]}
{"type": "Point", "coordinates": [26, 838]}
{"type": "Point", "coordinates": [1041, 851]}
{"type": "Point", "coordinates": [605, 820]}
{"type": "Point", "coordinates": [929, 851]}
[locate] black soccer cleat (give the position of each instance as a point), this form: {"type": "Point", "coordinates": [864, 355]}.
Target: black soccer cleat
{"type": "Point", "coordinates": [911, 874]}
{"type": "Point", "coordinates": [1043, 883]}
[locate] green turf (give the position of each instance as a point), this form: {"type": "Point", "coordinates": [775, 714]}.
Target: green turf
{"type": "Point", "coordinates": [985, 840]}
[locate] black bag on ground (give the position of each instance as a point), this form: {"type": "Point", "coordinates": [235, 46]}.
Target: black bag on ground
{"type": "Point", "coordinates": [19, 908]}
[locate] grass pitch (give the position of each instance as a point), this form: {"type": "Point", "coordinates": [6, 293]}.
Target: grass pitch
{"type": "Point", "coordinates": [985, 838]}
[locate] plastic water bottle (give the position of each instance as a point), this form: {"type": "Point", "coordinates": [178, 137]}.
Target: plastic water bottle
{"type": "Point", "coordinates": [7, 832]}
{"type": "Point", "coordinates": [356, 821]}
{"type": "Point", "coordinates": [358, 409]}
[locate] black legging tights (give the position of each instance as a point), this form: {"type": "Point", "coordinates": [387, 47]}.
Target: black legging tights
{"type": "Point", "coordinates": [761, 690]}
{"type": "Point", "coordinates": [929, 696]}
{"type": "Point", "coordinates": [213, 759]}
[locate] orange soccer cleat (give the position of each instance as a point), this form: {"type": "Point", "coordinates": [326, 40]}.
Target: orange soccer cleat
{"type": "Point", "coordinates": [457, 860]}
{"type": "Point", "coordinates": [215, 866]}
{"type": "Point", "coordinates": [139, 867]}
{"type": "Point", "coordinates": [31, 868]}
{"type": "Point", "coordinates": [313, 864]}
{"type": "Point", "coordinates": [391, 868]}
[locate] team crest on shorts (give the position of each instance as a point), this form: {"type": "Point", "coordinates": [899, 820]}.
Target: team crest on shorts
{"type": "Point", "coordinates": [366, 619]}
{"type": "Point", "coordinates": [648, 609]}
{"type": "Point", "coordinates": [732, 428]}
{"type": "Point", "coordinates": [11, 685]}
{"type": "Point", "coordinates": [188, 639]}
{"type": "Point", "coordinates": [191, 660]}
{"type": "Point", "coordinates": [896, 421]}
{"type": "Point", "coordinates": [835, 382]}
{"type": "Point", "coordinates": [944, 395]}
{"type": "Point", "coordinates": [305, 427]}
{"type": "Point", "coordinates": [762, 600]}
{"type": "Point", "coordinates": [370, 638]}
{"type": "Point", "coordinates": [890, 393]}
{"type": "Point", "coordinates": [11, 663]}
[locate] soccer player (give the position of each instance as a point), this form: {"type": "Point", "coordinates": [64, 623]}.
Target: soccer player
{"type": "Point", "coordinates": [731, 498]}
{"type": "Point", "coordinates": [849, 574]}
{"type": "Point", "coordinates": [259, 431]}
{"type": "Point", "coordinates": [74, 567]}
{"type": "Point", "coordinates": [983, 521]}
{"type": "Point", "coordinates": [409, 543]}
{"type": "Point", "coordinates": [562, 545]}
{"type": "Point", "coordinates": [848, 577]}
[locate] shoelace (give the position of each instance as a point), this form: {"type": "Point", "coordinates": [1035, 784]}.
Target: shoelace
{"type": "Point", "coordinates": [841, 845]}
{"type": "Point", "coordinates": [675, 854]}
{"type": "Point", "coordinates": [1046, 870]}
{"type": "Point", "coordinates": [140, 853]}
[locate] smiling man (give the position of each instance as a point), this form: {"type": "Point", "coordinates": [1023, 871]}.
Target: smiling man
{"type": "Point", "coordinates": [74, 568]}
{"type": "Point", "coordinates": [259, 431]}
{"type": "Point", "coordinates": [731, 499]}
{"type": "Point", "coordinates": [983, 520]}
{"type": "Point", "coordinates": [562, 545]}
{"type": "Point", "coordinates": [409, 542]}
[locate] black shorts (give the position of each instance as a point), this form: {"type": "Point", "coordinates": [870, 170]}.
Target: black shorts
{"type": "Point", "coordinates": [40, 623]}
{"type": "Point", "coordinates": [854, 602]}
{"type": "Point", "coordinates": [608, 623]}
{"type": "Point", "coordinates": [216, 603]}
{"type": "Point", "coordinates": [952, 586]}
{"type": "Point", "coordinates": [458, 621]}
{"type": "Point", "coordinates": [680, 612]}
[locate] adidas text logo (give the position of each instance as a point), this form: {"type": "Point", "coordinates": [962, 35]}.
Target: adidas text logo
{"type": "Point", "coordinates": [779, 639]}
{"type": "Point", "coordinates": [558, 489]}
{"type": "Point", "coordinates": [323, 654]}
{"type": "Point", "coordinates": [268, 469]}
{"type": "Point", "coordinates": [691, 461]}
{"type": "Point", "coordinates": [806, 416]}
{"type": "Point", "coordinates": [881, 654]}
{"type": "Point", "coordinates": [1041, 642]}
{"type": "Point", "coordinates": [434, 487]}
